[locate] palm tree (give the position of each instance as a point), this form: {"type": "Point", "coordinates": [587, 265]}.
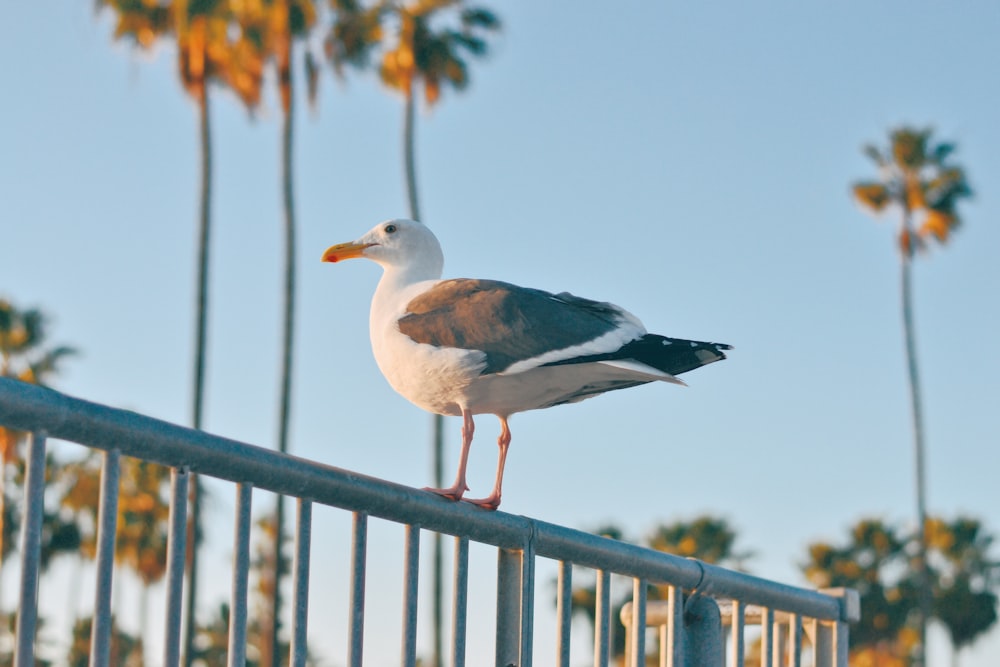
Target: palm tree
{"type": "Point", "coordinates": [143, 526]}
{"type": "Point", "coordinates": [207, 52]}
{"type": "Point", "coordinates": [873, 563]}
{"type": "Point", "coordinates": [25, 356]}
{"type": "Point", "coordinates": [919, 184]}
{"type": "Point", "coordinates": [272, 29]}
{"type": "Point", "coordinates": [142, 522]}
{"type": "Point", "coordinates": [431, 58]}
{"type": "Point", "coordinates": [354, 33]}
{"type": "Point", "coordinates": [122, 645]}
{"type": "Point", "coordinates": [296, 18]}
{"type": "Point", "coordinates": [434, 59]}
{"type": "Point", "coordinates": [966, 579]}
{"type": "Point", "coordinates": [877, 562]}
{"type": "Point", "coordinates": [708, 538]}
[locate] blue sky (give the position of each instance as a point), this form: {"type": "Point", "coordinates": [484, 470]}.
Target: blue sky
{"type": "Point", "coordinates": [688, 161]}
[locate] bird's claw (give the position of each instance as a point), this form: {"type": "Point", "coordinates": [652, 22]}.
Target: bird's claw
{"type": "Point", "coordinates": [491, 503]}
{"type": "Point", "coordinates": [451, 493]}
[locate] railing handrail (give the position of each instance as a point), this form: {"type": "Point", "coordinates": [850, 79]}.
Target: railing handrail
{"type": "Point", "coordinates": [32, 408]}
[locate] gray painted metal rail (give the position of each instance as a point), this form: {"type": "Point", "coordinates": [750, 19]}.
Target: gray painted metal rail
{"type": "Point", "coordinates": [690, 634]}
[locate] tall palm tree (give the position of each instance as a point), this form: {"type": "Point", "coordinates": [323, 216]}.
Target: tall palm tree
{"type": "Point", "coordinates": [296, 18]}
{"type": "Point", "coordinates": [433, 59]}
{"type": "Point", "coordinates": [212, 48]}
{"type": "Point", "coordinates": [272, 27]}
{"type": "Point", "coordinates": [207, 53]}
{"type": "Point", "coordinates": [919, 184]}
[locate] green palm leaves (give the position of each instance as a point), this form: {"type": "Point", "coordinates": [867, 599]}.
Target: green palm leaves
{"type": "Point", "coordinates": [437, 58]}
{"type": "Point", "coordinates": [917, 178]}
{"type": "Point", "coordinates": [876, 561]}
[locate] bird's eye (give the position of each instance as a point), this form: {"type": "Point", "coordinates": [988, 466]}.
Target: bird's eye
{"type": "Point", "coordinates": [390, 229]}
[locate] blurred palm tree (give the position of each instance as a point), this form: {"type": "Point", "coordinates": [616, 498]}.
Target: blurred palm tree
{"type": "Point", "coordinates": [8, 625]}
{"type": "Point", "coordinates": [123, 646]}
{"type": "Point", "coordinates": [209, 50]}
{"type": "Point", "coordinates": [433, 58]}
{"type": "Point", "coordinates": [966, 578]}
{"type": "Point", "coordinates": [707, 538]}
{"type": "Point", "coordinates": [873, 563]}
{"type": "Point", "coordinates": [274, 26]}
{"type": "Point", "coordinates": [212, 644]}
{"type": "Point", "coordinates": [25, 356]}
{"type": "Point", "coordinates": [354, 33]}
{"type": "Point", "coordinates": [919, 184]}
{"type": "Point", "coordinates": [142, 522]}
{"type": "Point", "coordinates": [880, 563]}
{"type": "Point", "coordinates": [296, 18]}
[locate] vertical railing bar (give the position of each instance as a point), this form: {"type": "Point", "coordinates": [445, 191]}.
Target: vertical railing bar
{"type": "Point", "coordinates": [527, 604]}
{"type": "Point", "coordinates": [794, 640]}
{"type": "Point", "coordinates": [840, 645]}
{"type": "Point", "coordinates": [675, 627]}
{"type": "Point", "coordinates": [766, 636]}
{"type": "Point", "coordinates": [638, 638]}
{"type": "Point", "coordinates": [176, 550]}
{"type": "Point", "coordinates": [460, 605]}
{"type": "Point", "coordinates": [508, 630]}
{"type": "Point", "coordinates": [602, 620]}
{"type": "Point", "coordinates": [31, 548]}
{"type": "Point", "coordinates": [241, 571]}
{"type": "Point", "coordinates": [356, 629]}
{"type": "Point", "coordinates": [736, 638]}
{"type": "Point", "coordinates": [780, 644]}
{"type": "Point", "coordinates": [820, 649]}
{"type": "Point", "coordinates": [107, 526]}
{"type": "Point", "coordinates": [664, 645]}
{"type": "Point", "coordinates": [300, 583]}
{"type": "Point", "coordinates": [411, 578]}
{"type": "Point", "coordinates": [564, 612]}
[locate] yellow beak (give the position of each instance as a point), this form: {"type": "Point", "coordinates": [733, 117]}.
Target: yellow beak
{"type": "Point", "coordinates": [336, 253]}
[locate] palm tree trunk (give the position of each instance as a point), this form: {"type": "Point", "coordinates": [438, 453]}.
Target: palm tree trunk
{"type": "Point", "coordinates": [287, 344]}
{"type": "Point", "coordinates": [201, 343]}
{"type": "Point", "coordinates": [409, 156]}
{"type": "Point", "coordinates": [437, 423]}
{"type": "Point", "coordinates": [923, 575]}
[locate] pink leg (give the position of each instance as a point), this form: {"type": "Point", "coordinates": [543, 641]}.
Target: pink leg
{"type": "Point", "coordinates": [458, 489]}
{"type": "Point", "coordinates": [492, 501]}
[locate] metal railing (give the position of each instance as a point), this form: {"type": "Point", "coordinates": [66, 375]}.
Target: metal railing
{"type": "Point", "coordinates": [690, 622]}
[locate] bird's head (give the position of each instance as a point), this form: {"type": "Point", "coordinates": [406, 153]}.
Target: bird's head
{"type": "Point", "coordinates": [404, 246]}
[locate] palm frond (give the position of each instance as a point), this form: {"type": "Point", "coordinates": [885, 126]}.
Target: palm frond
{"type": "Point", "coordinates": [873, 195]}
{"type": "Point", "coordinates": [480, 17]}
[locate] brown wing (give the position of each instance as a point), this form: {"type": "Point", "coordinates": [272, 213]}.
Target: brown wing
{"type": "Point", "coordinates": [506, 322]}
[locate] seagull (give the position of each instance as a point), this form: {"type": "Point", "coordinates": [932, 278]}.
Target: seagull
{"type": "Point", "coordinates": [464, 347]}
